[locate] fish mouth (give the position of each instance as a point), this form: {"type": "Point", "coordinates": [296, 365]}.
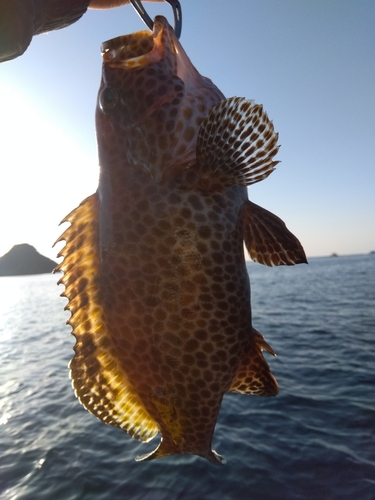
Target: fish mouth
{"type": "Point", "coordinates": [141, 48]}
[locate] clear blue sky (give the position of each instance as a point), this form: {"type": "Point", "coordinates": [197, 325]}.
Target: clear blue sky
{"type": "Point", "coordinates": [310, 63]}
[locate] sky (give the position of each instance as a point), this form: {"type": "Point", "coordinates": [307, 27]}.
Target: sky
{"type": "Point", "coordinates": [310, 63]}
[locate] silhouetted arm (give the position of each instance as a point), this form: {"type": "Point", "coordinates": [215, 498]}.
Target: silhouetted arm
{"type": "Point", "coordinates": [20, 20]}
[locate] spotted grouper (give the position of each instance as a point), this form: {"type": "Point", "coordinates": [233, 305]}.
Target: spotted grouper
{"type": "Point", "coordinates": [153, 265]}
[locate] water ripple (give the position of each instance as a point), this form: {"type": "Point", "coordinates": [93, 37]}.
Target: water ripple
{"type": "Point", "coordinates": [313, 441]}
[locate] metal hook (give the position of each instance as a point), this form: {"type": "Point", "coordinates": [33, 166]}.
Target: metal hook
{"type": "Point", "coordinates": [177, 14]}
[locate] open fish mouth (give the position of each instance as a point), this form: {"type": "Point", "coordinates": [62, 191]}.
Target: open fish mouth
{"type": "Point", "coordinates": [140, 48]}
{"type": "Point", "coordinates": [150, 89]}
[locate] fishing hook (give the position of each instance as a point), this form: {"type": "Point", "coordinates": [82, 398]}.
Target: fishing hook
{"type": "Point", "coordinates": [177, 14]}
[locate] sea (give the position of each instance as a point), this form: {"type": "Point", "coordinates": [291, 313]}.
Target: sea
{"type": "Point", "coordinates": [315, 440]}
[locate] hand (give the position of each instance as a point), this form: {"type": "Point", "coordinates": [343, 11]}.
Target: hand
{"type": "Point", "coordinates": [20, 20]}
{"type": "Point", "coordinates": [108, 4]}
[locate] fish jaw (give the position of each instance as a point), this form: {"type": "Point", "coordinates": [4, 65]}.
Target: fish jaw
{"type": "Point", "coordinates": [153, 97]}
{"type": "Point", "coordinates": [143, 48]}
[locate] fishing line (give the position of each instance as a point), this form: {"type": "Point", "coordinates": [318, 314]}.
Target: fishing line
{"type": "Point", "coordinates": [177, 14]}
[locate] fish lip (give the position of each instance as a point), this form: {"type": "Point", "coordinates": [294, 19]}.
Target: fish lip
{"type": "Point", "coordinates": [114, 51]}
{"type": "Point", "coordinates": [147, 46]}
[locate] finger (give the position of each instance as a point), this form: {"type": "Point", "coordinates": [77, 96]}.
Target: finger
{"type": "Point", "coordinates": [108, 4]}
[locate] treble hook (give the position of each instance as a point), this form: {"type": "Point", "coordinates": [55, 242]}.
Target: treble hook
{"type": "Point", "coordinates": [177, 14]}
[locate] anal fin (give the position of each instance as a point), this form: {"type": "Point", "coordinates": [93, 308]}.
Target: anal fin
{"type": "Point", "coordinates": [254, 375]}
{"type": "Point", "coordinates": [267, 238]}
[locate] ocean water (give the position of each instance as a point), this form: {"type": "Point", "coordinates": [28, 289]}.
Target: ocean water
{"type": "Point", "coordinates": [315, 440]}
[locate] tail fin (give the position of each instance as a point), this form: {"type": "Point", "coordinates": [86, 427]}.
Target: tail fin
{"type": "Point", "coordinates": [165, 449]}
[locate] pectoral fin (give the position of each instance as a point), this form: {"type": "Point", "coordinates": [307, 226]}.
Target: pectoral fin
{"type": "Point", "coordinates": [267, 238]}
{"type": "Point", "coordinates": [236, 144]}
{"type": "Point", "coordinates": [254, 375]}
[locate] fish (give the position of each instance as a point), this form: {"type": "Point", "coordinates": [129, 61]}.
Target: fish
{"type": "Point", "coordinates": [153, 263]}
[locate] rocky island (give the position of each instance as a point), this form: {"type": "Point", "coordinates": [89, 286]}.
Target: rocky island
{"type": "Point", "coordinates": [24, 259]}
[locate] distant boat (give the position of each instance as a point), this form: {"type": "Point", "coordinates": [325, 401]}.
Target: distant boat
{"type": "Point", "coordinates": [333, 254]}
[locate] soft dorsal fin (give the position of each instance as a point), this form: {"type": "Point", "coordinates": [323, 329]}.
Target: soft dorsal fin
{"type": "Point", "coordinates": [254, 375]}
{"type": "Point", "coordinates": [267, 238]}
{"type": "Point", "coordinates": [99, 381]}
{"type": "Point", "coordinates": [236, 144]}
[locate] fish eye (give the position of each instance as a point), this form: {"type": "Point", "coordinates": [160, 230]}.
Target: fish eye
{"type": "Point", "coordinates": [108, 98]}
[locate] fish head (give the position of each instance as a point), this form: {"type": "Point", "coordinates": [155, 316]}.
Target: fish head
{"type": "Point", "coordinates": [151, 102]}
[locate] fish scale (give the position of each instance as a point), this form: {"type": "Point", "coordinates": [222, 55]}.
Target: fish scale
{"type": "Point", "coordinates": [154, 267]}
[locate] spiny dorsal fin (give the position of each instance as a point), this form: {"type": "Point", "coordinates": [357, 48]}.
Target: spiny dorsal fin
{"type": "Point", "coordinates": [100, 382]}
{"type": "Point", "coordinates": [236, 144]}
{"type": "Point", "coordinates": [254, 375]}
{"type": "Point", "coordinates": [267, 238]}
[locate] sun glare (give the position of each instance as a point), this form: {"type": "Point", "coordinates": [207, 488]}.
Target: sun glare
{"type": "Point", "coordinates": [44, 173]}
